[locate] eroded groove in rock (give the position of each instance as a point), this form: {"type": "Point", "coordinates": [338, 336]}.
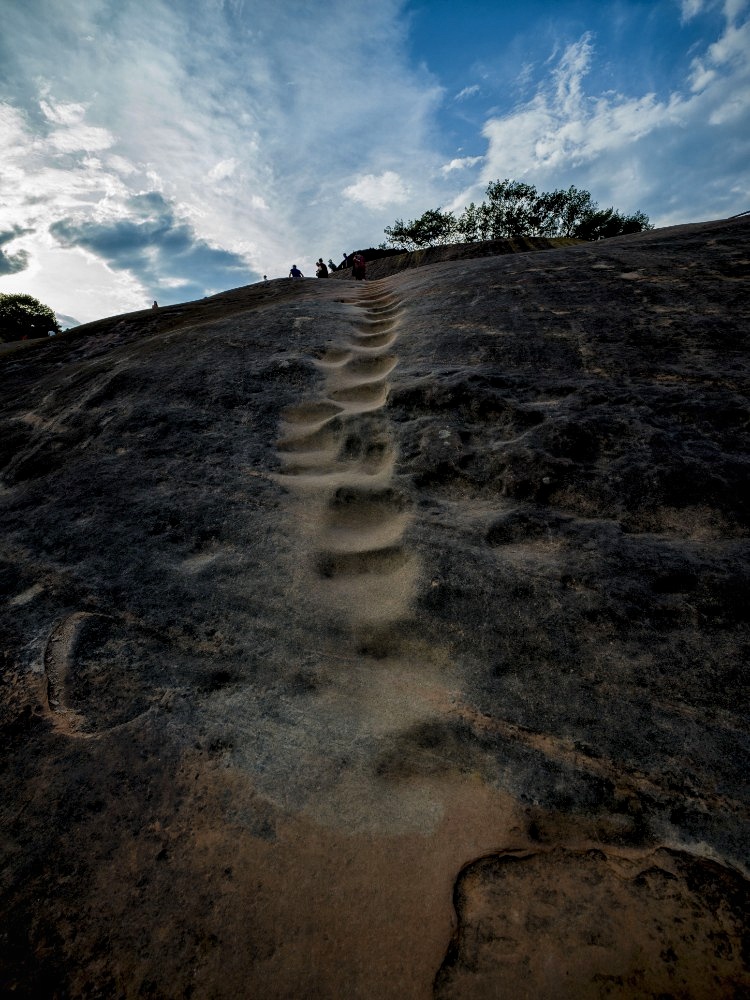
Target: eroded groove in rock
{"type": "Point", "coordinates": [317, 463]}
{"type": "Point", "coordinates": [322, 439]}
{"type": "Point", "coordinates": [377, 325]}
{"type": "Point", "coordinates": [312, 414]}
{"type": "Point", "coordinates": [86, 700]}
{"type": "Point", "coordinates": [381, 561]}
{"type": "Point", "coordinates": [354, 520]}
{"type": "Point", "coordinates": [334, 358]}
{"type": "Point", "coordinates": [58, 654]}
{"type": "Point", "coordinates": [355, 506]}
{"type": "Point", "coordinates": [391, 307]}
{"type": "Point", "coordinates": [365, 533]}
{"type": "Point", "coordinates": [361, 398]}
{"type": "Point", "coordinates": [373, 341]}
{"type": "Point", "coordinates": [364, 369]}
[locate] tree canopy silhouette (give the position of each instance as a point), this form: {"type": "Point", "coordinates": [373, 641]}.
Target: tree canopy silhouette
{"type": "Point", "coordinates": [24, 316]}
{"type": "Point", "coordinates": [514, 209]}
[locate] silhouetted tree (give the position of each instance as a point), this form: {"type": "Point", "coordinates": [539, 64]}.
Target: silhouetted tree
{"type": "Point", "coordinates": [434, 228]}
{"type": "Point", "coordinates": [516, 209]}
{"type": "Point", "coordinates": [566, 210]}
{"type": "Point", "coordinates": [24, 316]}
{"type": "Point", "coordinates": [513, 209]}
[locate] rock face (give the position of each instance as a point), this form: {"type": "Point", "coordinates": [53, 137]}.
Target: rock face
{"type": "Point", "coordinates": [385, 639]}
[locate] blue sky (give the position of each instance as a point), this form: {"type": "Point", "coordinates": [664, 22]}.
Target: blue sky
{"type": "Point", "coordinates": [171, 149]}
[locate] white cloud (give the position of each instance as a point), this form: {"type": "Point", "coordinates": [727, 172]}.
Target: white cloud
{"type": "Point", "coordinates": [62, 114]}
{"type": "Point", "coordinates": [691, 8]}
{"type": "Point", "coordinates": [700, 76]}
{"type": "Point", "coordinates": [42, 181]}
{"type": "Point", "coordinates": [472, 91]}
{"type": "Point", "coordinates": [79, 138]}
{"type": "Point", "coordinates": [223, 169]}
{"type": "Point", "coordinates": [378, 191]}
{"type": "Point", "coordinates": [733, 9]}
{"type": "Point", "coordinates": [463, 163]}
{"type": "Point", "coordinates": [732, 47]}
{"type": "Point", "coordinates": [121, 166]}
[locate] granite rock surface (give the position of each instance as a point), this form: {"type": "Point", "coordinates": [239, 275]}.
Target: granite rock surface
{"type": "Point", "coordinates": [385, 639]}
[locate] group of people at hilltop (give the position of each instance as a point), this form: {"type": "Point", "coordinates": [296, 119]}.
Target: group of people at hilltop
{"type": "Point", "coordinates": [356, 261]}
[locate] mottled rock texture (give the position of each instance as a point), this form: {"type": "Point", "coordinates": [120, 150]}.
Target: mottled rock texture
{"type": "Point", "coordinates": [385, 639]}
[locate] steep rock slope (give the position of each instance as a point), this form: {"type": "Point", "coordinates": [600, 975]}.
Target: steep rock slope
{"type": "Point", "coordinates": [385, 639]}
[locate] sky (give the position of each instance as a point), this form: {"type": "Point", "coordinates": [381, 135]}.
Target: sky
{"type": "Point", "coordinates": [172, 149]}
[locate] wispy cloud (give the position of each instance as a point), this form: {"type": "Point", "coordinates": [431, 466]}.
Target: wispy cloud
{"type": "Point", "coordinates": [467, 92]}
{"type": "Point", "coordinates": [619, 145]}
{"type": "Point", "coordinates": [691, 8]}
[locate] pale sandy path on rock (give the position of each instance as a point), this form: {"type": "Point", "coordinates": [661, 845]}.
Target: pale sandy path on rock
{"type": "Point", "coordinates": [337, 455]}
{"type": "Point", "coordinates": [349, 514]}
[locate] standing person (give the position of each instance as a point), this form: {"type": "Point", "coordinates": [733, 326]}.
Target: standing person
{"type": "Point", "coordinates": [342, 265]}
{"type": "Point", "coordinates": [295, 272]}
{"type": "Point", "coordinates": [321, 271]}
{"type": "Point", "coordinates": [359, 267]}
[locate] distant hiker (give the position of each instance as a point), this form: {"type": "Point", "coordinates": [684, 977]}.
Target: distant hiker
{"type": "Point", "coordinates": [265, 278]}
{"type": "Point", "coordinates": [343, 264]}
{"type": "Point", "coordinates": [321, 271]}
{"type": "Point", "coordinates": [295, 272]}
{"type": "Point", "coordinates": [359, 267]}
{"type": "Point", "coordinates": [155, 305]}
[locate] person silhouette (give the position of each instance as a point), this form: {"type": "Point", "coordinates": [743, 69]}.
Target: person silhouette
{"type": "Point", "coordinates": [359, 267]}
